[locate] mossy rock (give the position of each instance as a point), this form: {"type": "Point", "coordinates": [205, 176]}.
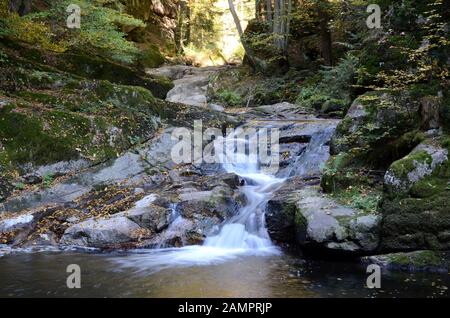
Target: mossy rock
{"type": "Point", "coordinates": [373, 125]}
{"type": "Point", "coordinates": [405, 173]}
{"type": "Point", "coordinates": [150, 57]}
{"type": "Point", "coordinates": [97, 68]}
{"type": "Point", "coordinates": [420, 217]}
{"type": "Point", "coordinates": [6, 188]}
{"type": "Point", "coordinates": [85, 65]}
{"type": "Point", "coordinates": [344, 170]}
{"type": "Point", "coordinates": [424, 260]}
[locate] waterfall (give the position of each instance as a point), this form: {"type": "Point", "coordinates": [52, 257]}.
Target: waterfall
{"type": "Point", "coordinates": [243, 234]}
{"type": "Point", "coordinates": [245, 230]}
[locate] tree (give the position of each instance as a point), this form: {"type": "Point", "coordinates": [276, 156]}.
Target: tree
{"type": "Point", "coordinates": [101, 32]}
{"type": "Point", "coordinates": [256, 63]}
{"type": "Point", "coordinates": [278, 16]}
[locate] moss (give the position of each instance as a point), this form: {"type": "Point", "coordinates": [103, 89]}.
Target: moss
{"type": "Point", "coordinates": [359, 197]}
{"type": "Point", "coordinates": [25, 140]}
{"type": "Point", "coordinates": [254, 88]}
{"type": "Point", "coordinates": [151, 57]}
{"type": "Point", "coordinates": [334, 105]}
{"type": "Point", "coordinates": [429, 186]}
{"type": "Point", "coordinates": [415, 259]}
{"type": "Point", "coordinates": [402, 167]}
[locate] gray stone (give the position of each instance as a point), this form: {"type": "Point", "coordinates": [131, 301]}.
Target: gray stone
{"type": "Point", "coordinates": [424, 159]}
{"type": "Point", "coordinates": [103, 232]}
{"type": "Point", "coordinates": [311, 219]}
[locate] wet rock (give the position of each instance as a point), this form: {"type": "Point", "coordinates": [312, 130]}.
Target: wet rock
{"type": "Point", "coordinates": [306, 217]}
{"type": "Point", "coordinates": [103, 233]}
{"type": "Point", "coordinates": [281, 212]}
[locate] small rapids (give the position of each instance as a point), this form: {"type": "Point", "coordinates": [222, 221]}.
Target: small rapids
{"type": "Point", "coordinates": [243, 234]}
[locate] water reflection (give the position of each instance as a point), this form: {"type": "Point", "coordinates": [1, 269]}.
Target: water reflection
{"type": "Point", "coordinates": [103, 275]}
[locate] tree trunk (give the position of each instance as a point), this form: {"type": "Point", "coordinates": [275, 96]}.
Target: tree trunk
{"type": "Point", "coordinates": [288, 24]}
{"type": "Point", "coordinates": [269, 12]}
{"type": "Point", "coordinates": [325, 42]}
{"type": "Point", "coordinates": [254, 62]}
{"type": "Point", "coordinates": [276, 23]}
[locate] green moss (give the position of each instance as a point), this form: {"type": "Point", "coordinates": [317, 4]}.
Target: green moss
{"type": "Point", "coordinates": [359, 197]}
{"type": "Point", "coordinates": [151, 57]}
{"type": "Point", "coordinates": [402, 167]}
{"type": "Point", "coordinates": [416, 259]}
{"type": "Point", "coordinates": [25, 140]}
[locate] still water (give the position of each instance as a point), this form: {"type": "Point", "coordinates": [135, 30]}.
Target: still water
{"type": "Point", "coordinates": [274, 275]}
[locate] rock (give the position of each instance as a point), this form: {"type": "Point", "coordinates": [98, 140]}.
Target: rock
{"type": "Point", "coordinates": [192, 87]}
{"type": "Point", "coordinates": [16, 228]}
{"type": "Point", "coordinates": [416, 214]}
{"type": "Point", "coordinates": [216, 107]}
{"type": "Point", "coordinates": [430, 261]}
{"type": "Point", "coordinates": [5, 189]}
{"type": "Point", "coordinates": [429, 111]}
{"type": "Point", "coordinates": [319, 223]}
{"type": "Point", "coordinates": [421, 162]}
{"type": "Point", "coordinates": [152, 217]}
{"type": "Point", "coordinates": [15, 223]}
{"type": "Point", "coordinates": [103, 233]}
{"type": "Point", "coordinates": [373, 123]}
{"type": "Point", "coordinates": [312, 160]}
{"type": "Point", "coordinates": [32, 179]}
{"type": "Point", "coordinates": [173, 72]}
{"type": "Point", "coordinates": [281, 212]}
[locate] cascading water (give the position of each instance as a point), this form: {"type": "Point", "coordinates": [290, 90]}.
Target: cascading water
{"type": "Point", "coordinates": [243, 234]}
{"type": "Point", "coordinates": [246, 230]}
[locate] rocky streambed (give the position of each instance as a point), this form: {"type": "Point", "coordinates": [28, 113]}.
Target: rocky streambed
{"type": "Point", "coordinates": [138, 211]}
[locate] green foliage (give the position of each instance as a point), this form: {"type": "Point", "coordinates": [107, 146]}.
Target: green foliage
{"type": "Point", "coordinates": [47, 180]}
{"type": "Point", "coordinates": [230, 98]}
{"type": "Point", "coordinates": [332, 91]}
{"type": "Point", "coordinates": [100, 31]}
{"type": "Point", "coordinates": [19, 186]}
{"type": "Point", "coordinates": [361, 198]}
{"type": "Point", "coordinates": [414, 50]}
{"type": "Point", "coordinates": [151, 57]}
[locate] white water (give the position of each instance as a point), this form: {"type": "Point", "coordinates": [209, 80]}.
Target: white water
{"type": "Point", "coordinates": [243, 234]}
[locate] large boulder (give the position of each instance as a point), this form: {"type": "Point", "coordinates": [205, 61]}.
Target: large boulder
{"type": "Point", "coordinates": [373, 124]}
{"type": "Point", "coordinates": [403, 174]}
{"type": "Point", "coordinates": [313, 221]}
{"type": "Point", "coordinates": [104, 232]}
{"type": "Point", "coordinates": [415, 207]}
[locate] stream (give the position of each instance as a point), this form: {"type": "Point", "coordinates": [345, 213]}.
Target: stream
{"type": "Point", "coordinates": [237, 260]}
